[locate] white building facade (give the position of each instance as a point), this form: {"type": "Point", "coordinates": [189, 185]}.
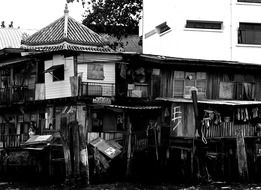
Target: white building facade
{"type": "Point", "coordinates": [227, 30]}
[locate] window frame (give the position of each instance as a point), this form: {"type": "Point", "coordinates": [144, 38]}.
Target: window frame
{"type": "Point", "coordinates": [184, 79]}
{"type": "Point", "coordinates": [190, 23]}
{"type": "Point", "coordinates": [58, 74]}
{"type": "Point", "coordinates": [248, 32]}
{"type": "Point", "coordinates": [249, 1]}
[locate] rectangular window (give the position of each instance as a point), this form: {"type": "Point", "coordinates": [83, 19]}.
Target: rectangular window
{"type": "Point", "coordinates": [184, 81]}
{"type": "Point", "coordinates": [250, 1]}
{"type": "Point", "coordinates": [217, 25]}
{"type": "Point", "coordinates": [58, 73]}
{"type": "Point", "coordinates": [95, 72]}
{"type": "Point", "coordinates": [249, 33]}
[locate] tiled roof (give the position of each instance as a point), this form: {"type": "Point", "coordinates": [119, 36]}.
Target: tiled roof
{"type": "Point", "coordinates": [66, 34]}
{"type": "Point", "coordinates": [66, 46]}
{"type": "Point", "coordinates": [11, 37]}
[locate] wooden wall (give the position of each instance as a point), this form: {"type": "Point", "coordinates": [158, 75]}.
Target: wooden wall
{"type": "Point", "coordinates": [186, 126]}
{"type": "Point", "coordinates": [59, 89]}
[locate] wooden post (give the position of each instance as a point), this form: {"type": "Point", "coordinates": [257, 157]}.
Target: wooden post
{"type": "Point", "coordinates": [156, 142]}
{"type": "Point", "coordinates": [195, 107]}
{"type": "Point", "coordinates": [76, 150]}
{"type": "Point", "coordinates": [84, 153]}
{"type": "Point", "coordinates": [241, 155]}
{"type": "Point", "coordinates": [66, 149]}
{"type": "Point", "coordinates": [129, 147]}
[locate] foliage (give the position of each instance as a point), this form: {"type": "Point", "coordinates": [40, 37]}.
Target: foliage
{"type": "Point", "coordinates": [113, 17]}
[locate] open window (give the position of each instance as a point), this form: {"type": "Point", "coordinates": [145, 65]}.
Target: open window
{"type": "Point", "coordinates": [249, 33]}
{"type": "Point", "coordinates": [57, 71]}
{"type": "Point", "coordinates": [162, 28]}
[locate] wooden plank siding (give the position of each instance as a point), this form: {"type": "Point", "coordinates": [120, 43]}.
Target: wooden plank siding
{"type": "Point", "coordinates": [59, 89]}
{"type": "Point", "coordinates": [214, 78]}
{"type": "Point", "coordinates": [187, 126]}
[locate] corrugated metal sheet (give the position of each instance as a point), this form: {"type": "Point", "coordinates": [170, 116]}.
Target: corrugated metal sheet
{"type": "Point", "coordinates": [135, 107]}
{"type": "Point", "coordinates": [11, 37]}
{"type": "Point", "coordinates": [214, 102]}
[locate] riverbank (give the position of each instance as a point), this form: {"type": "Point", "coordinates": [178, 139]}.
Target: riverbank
{"type": "Point", "coordinates": [131, 186]}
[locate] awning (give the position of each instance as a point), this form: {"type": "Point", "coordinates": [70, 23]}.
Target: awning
{"type": "Point", "coordinates": [53, 68]}
{"type": "Point", "coordinates": [214, 102]}
{"type": "Point", "coordinates": [135, 107]}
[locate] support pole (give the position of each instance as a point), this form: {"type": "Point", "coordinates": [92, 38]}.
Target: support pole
{"type": "Point", "coordinates": [195, 107]}
{"type": "Point", "coordinates": [66, 149]}
{"type": "Point", "coordinates": [129, 147]}
{"type": "Point", "coordinates": [241, 155]}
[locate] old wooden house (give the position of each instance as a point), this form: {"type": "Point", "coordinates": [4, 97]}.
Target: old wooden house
{"type": "Point", "coordinates": [218, 135]}
{"type": "Point", "coordinates": [66, 73]}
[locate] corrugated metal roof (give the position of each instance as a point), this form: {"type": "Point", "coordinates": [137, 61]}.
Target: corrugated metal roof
{"type": "Point", "coordinates": [66, 34]}
{"type": "Point", "coordinates": [214, 102]}
{"type": "Point", "coordinates": [11, 37]}
{"type": "Point", "coordinates": [135, 107]}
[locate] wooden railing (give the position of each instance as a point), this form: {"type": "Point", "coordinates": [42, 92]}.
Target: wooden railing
{"type": "Point", "coordinates": [16, 94]}
{"type": "Point", "coordinates": [229, 129]}
{"type": "Point", "coordinates": [97, 89]}
{"type": "Point", "coordinates": [13, 141]}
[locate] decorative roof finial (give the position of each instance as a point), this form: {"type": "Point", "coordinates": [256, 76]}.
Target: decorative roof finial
{"type": "Point", "coordinates": [66, 11]}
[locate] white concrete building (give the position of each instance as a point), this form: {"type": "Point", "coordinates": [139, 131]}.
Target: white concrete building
{"type": "Point", "coordinates": [227, 30]}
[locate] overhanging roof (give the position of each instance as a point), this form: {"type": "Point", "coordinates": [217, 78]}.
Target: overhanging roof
{"type": "Point", "coordinates": [177, 61]}
{"type": "Point", "coordinates": [13, 61]}
{"type": "Point", "coordinates": [213, 102]}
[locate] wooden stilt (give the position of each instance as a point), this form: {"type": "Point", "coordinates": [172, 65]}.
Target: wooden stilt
{"type": "Point", "coordinates": [84, 154]}
{"type": "Point", "coordinates": [197, 126]}
{"type": "Point", "coordinates": [76, 148]}
{"type": "Point", "coordinates": [241, 155]}
{"type": "Point", "coordinates": [129, 147]}
{"type": "Point", "coordinates": [66, 149]}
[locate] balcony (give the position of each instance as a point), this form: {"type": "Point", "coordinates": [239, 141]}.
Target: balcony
{"type": "Point", "coordinates": [97, 89]}
{"type": "Point", "coordinates": [16, 94]}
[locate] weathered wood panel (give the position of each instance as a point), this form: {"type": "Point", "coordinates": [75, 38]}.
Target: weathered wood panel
{"type": "Point", "coordinates": [59, 89]}
{"type": "Point", "coordinates": [185, 125]}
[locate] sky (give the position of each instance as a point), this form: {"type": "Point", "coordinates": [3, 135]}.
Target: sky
{"type": "Point", "coordinates": [36, 14]}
